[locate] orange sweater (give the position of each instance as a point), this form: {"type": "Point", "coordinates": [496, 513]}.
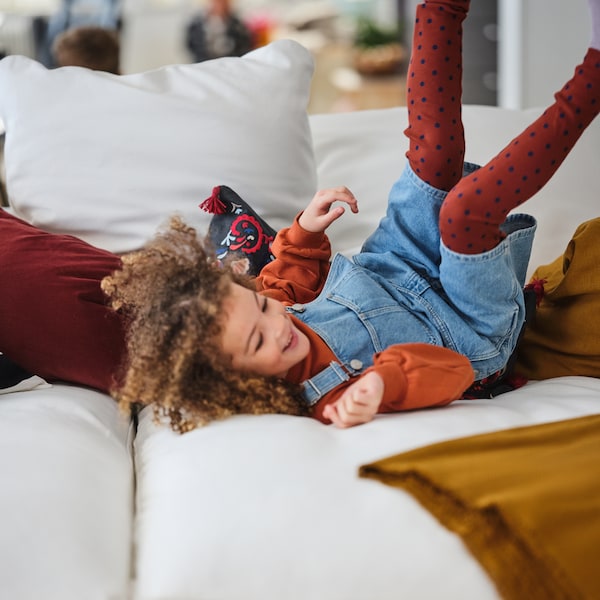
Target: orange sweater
{"type": "Point", "coordinates": [414, 375]}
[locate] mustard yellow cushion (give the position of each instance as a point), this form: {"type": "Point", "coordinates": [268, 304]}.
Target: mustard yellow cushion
{"type": "Point", "coordinates": [563, 338]}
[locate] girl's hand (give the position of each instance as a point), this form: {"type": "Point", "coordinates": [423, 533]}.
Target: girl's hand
{"type": "Point", "coordinates": [358, 404]}
{"type": "Point", "coordinates": [319, 214]}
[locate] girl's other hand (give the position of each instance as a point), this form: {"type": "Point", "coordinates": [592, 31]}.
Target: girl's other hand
{"type": "Point", "coordinates": [358, 404]}
{"type": "Point", "coordinates": [321, 213]}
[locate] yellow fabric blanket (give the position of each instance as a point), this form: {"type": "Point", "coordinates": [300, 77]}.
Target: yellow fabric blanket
{"type": "Point", "coordinates": [525, 501]}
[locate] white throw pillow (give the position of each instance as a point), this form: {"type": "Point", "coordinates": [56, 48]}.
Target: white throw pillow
{"type": "Point", "coordinates": [110, 158]}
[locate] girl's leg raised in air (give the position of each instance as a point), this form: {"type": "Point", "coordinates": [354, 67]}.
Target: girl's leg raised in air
{"type": "Point", "coordinates": [434, 89]}
{"type": "Point", "coordinates": [473, 211]}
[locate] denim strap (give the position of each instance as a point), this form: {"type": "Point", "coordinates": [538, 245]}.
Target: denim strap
{"type": "Point", "coordinates": [329, 378]}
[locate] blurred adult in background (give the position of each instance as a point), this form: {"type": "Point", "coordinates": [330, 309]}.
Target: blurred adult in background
{"type": "Point", "coordinates": [88, 46]}
{"type": "Point", "coordinates": [216, 32]}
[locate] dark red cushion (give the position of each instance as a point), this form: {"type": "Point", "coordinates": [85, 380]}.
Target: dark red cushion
{"type": "Point", "coordinates": [54, 320]}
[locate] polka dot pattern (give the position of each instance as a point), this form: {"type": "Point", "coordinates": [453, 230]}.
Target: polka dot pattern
{"type": "Point", "coordinates": [472, 212]}
{"type": "Point", "coordinates": [434, 89]}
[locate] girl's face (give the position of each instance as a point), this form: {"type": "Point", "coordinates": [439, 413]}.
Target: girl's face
{"type": "Point", "coordinates": [259, 335]}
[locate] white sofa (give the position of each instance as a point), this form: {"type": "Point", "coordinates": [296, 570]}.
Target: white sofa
{"type": "Point", "coordinates": [97, 507]}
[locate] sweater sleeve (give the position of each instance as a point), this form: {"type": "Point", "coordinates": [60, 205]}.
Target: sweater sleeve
{"type": "Point", "coordinates": [414, 376]}
{"type": "Point", "coordinates": [300, 267]}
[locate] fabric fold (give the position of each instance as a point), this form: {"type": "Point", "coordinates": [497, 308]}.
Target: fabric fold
{"type": "Point", "coordinates": [525, 501]}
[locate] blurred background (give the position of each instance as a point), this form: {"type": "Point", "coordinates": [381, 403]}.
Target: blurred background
{"type": "Point", "coordinates": [516, 52]}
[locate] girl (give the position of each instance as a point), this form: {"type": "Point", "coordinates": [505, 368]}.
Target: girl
{"type": "Point", "coordinates": [432, 303]}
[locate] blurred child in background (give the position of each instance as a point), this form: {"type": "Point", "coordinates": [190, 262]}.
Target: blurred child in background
{"type": "Point", "coordinates": [92, 47]}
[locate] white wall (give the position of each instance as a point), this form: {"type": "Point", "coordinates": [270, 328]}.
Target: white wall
{"type": "Point", "coordinates": [540, 43]}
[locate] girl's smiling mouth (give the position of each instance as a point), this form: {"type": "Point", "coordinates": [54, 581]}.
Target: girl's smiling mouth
{"type": "Point", "coordinates": [292, 340]}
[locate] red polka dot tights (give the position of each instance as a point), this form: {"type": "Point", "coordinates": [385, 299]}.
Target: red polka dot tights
{"type": "Point", "coordinates": [476, 205]}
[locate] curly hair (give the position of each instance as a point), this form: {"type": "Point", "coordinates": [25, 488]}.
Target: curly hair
{"type": "Point", "coordinates": [170, 294]}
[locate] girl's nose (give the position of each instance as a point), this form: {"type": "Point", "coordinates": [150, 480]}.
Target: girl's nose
{"type": "Point", "coordinates": [281, 326]}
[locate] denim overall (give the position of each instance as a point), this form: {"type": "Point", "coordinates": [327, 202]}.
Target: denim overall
{"type": "Point", "coordinates": [406, 286]}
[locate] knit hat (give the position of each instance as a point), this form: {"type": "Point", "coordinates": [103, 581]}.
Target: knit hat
{"type": "Point", "coordinates": [236, 232]}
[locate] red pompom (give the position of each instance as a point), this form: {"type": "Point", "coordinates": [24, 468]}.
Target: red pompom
{"type": "Point", "coordinates": [214, 204]}
{"type": "Point", "coordinates": [537, 285]}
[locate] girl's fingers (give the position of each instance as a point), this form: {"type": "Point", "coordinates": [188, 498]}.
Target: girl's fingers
{"type": "Point", "coordinates": [340, 194]}
{"type": "Point", "coordinates": [320, 213]}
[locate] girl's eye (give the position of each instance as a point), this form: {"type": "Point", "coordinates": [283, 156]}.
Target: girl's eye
{"type": "Point", "coordinates": [263, 309]}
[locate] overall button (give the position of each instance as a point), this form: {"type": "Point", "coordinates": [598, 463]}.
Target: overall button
{"type": "Point", "coordinates": [298, 307]}
{"type": "Point", "coordinates": [356, 364]}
